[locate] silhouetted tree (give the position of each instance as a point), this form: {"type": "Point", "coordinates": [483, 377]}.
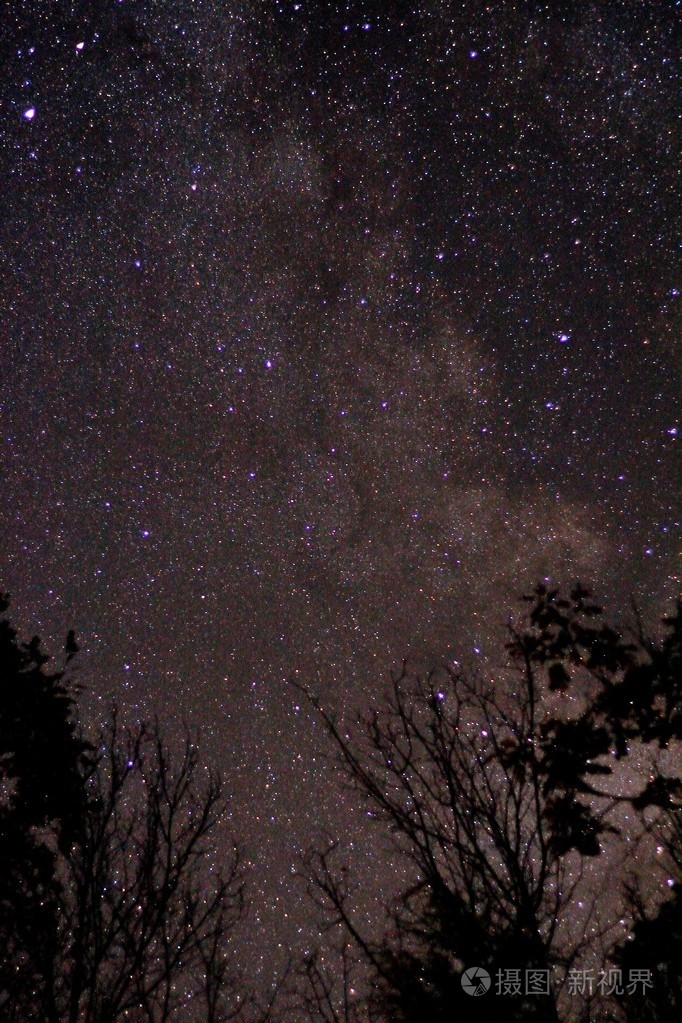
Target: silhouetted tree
{"type": "Point", "coordinates": [498, 793]}
{"type": "Point", "coordinates": [441, 766]}
{"type": "Point", "coordinates": [326, 988]}
{"type": "Point", "coordinates": [147, 911]}
{"type": "Point", "coordinates": [114, 904]}
{"type": "Point", "coordinates": [637, 702]}
{"type": "Point", "coordinates": [43, 759]}
{"type": "Point", "coordinates": [655, 941]}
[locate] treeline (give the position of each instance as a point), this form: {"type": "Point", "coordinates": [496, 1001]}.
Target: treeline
{"type": "Point", "coordinates": [514, 804]}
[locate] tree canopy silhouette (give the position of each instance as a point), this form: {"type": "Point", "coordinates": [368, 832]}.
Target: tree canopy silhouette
{"type": "Point", "coordinates": [43, 761]}
{"type": "Point", "coordinates": [115, 901]}
{"type": "Point", "coordinates": [499, 793]}
{"type": "Point", "coordinates": [118, 902]}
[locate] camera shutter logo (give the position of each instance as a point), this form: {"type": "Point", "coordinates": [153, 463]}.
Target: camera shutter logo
{"type": "Point", "coordinates": [475, 981]}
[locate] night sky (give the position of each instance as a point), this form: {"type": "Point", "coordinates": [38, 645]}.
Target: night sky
{"type": "Point", "coordinates": [327, 330]}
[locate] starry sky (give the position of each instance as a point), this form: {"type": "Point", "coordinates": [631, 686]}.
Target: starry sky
{"type": "Point", "coordinates": [327, 330]}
